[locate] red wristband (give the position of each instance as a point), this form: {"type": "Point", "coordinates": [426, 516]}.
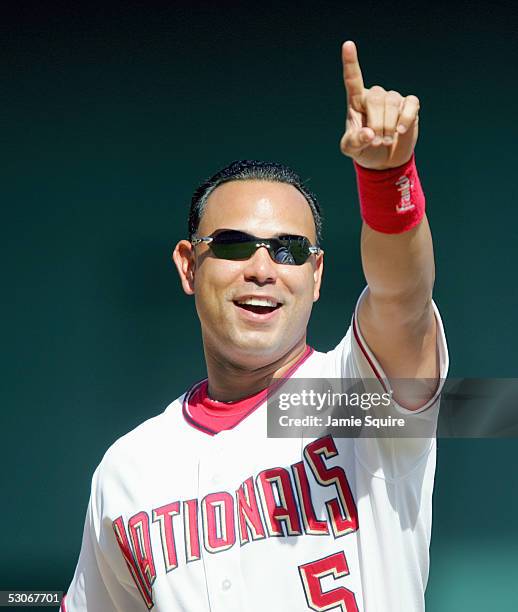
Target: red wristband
{"type": "Point", "coordinates": [391, 201]}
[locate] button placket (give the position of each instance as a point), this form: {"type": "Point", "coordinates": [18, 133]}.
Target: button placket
{"type": "Point", "coordinates": [222, 569]}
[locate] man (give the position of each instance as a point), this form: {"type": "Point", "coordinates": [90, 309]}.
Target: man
{"type": "Point", "coordinates": [198, 509]}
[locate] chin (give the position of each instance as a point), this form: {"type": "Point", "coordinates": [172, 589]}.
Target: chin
{"type": "Point", "coordinates": [256, 345]}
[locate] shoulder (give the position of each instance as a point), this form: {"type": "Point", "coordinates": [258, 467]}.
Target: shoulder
{"type": "Point", "coordinates": [141, 448]}
{"type": "Point", "coordinates": [327, 363]}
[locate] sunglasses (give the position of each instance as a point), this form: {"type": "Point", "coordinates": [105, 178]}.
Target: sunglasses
{"type": "Point", "coordinates": [233, 244]}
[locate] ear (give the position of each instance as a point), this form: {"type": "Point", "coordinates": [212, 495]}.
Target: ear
{"type": "Point", "coordinates": [318, 271]}
{"type": "Point", "coordinates": [183, 257]}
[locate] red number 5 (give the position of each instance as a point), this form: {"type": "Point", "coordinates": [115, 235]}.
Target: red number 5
{"type": "Point", "coordinates": [311, 574]}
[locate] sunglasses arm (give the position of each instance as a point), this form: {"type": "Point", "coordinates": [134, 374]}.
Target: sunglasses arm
{"type": "Point", "coordinates": [197, 240]}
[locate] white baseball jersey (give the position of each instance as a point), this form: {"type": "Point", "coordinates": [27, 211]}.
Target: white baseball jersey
{"type": "Point", "coordinates": [179, 520]}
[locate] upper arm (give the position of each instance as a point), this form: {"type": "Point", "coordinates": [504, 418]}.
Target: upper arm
{"type": "Point", "coordinates": [391, 456]}
{"type": "Point", "coordinates": [403, 340]}
{"type": "Point", "coordinates": [101, 581]}
{"type": "Point", "coordinates": [395, 314]}
{"type": "Point", "coordinates": [404, 348]}
{"type": "Point", "coordinates": [88, 589]}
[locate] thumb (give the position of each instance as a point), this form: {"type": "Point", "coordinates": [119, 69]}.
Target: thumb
{"type": "Point", "coordinates": [355, 140]}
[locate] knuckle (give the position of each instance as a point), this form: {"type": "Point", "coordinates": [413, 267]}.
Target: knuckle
{"type": "Point", "coordinates": [375, 94]}
{"type": "Point", "coordinates": [414, 100]}
{"type": "Point", "coordinates": [393, 98]}
{"type": "Point", "coordinates": [374, 104]}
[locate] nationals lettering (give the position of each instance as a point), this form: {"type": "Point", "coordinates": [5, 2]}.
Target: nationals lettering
{"type": "Point", "coordinates": [274, 503]}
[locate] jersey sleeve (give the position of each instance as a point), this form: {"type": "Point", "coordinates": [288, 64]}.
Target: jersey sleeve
{"type": "Point", "coordinates": [383, 456]}
{"type": "Point", "coordinates": [99, 583]}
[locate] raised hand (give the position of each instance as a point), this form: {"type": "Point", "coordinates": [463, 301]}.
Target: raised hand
{"type": "Point", "coordinates": [381, 128]}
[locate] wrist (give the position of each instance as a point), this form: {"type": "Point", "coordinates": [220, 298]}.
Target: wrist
{"type": "Point", "coordinates": [392, 200]}
{"type": "Point", "coordinates": [384, 168]}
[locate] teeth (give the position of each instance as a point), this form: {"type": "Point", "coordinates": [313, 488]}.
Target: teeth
{"type": "Point", "coordinates": [258, 302]}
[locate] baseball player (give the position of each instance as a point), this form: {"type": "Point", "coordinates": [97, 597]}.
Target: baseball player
{"type": "Point", "coordinates": [197, 509]}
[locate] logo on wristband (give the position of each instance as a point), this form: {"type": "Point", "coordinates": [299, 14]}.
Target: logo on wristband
{"type": "Point", "coordinates": [404, 186]}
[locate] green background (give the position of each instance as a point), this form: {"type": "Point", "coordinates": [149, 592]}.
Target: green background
{"type": "Point", "coordinates": [112, 114]}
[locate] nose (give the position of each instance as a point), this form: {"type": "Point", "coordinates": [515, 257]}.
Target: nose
{"type": "Point", "coordinates": [261, 268]}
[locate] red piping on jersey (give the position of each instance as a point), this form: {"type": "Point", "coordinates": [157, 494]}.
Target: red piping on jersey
{"type": "Point", "coordinates": [62, 607]}
{"type": "Point", "coordinates": [186, 414]}
{"type": "Point", "coordinates": [428, 403]}
{"type": "Point", "coordinates": [366, 354]}
{"type": "Point", "coordinates": [308, 351]}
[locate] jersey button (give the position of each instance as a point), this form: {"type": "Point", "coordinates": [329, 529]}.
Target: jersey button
{"type": "Point", "coordinates": [226, 584]}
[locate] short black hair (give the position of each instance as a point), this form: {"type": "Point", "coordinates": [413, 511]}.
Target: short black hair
{"type": "Point", "coordinates": [247, 170]}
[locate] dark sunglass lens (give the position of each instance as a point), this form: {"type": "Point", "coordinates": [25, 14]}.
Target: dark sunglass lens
{"type": "Point", "coordinates": [283, 256]}
{"type": "Point", "coordinates": [230, 236]}
{"type": "Point", "coordinates": [297, 247]}
{"type": "Point", "coordinates": [232, 244]}
{"type": "Point", "coordinates": [233, 250]}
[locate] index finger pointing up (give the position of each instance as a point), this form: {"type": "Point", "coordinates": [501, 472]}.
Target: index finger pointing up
{"type": "Point", "coordinates": [353, 79]}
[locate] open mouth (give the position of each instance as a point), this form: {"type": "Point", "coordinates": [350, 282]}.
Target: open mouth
{"type": "Point", "coordinates": [259, 306]}
{"type": "Point", "coordinates": [257, 309]}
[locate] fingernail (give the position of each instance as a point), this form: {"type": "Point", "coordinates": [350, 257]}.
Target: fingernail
{"type": "Point", "coordinates": [376, 141]}
{"type": "Point", "coordinates": [401, 129]}
{"type": "Point", "coordinates": [387, 140]}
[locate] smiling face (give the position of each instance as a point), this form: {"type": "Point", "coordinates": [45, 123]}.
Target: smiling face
{"type": "Point", "coordinates": [241, 333]}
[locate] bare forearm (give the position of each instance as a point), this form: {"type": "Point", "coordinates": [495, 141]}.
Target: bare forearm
{"type": "Point", "coordinates": [400, 271]}
{"type": "Point", "coordinates": [396, 315]}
